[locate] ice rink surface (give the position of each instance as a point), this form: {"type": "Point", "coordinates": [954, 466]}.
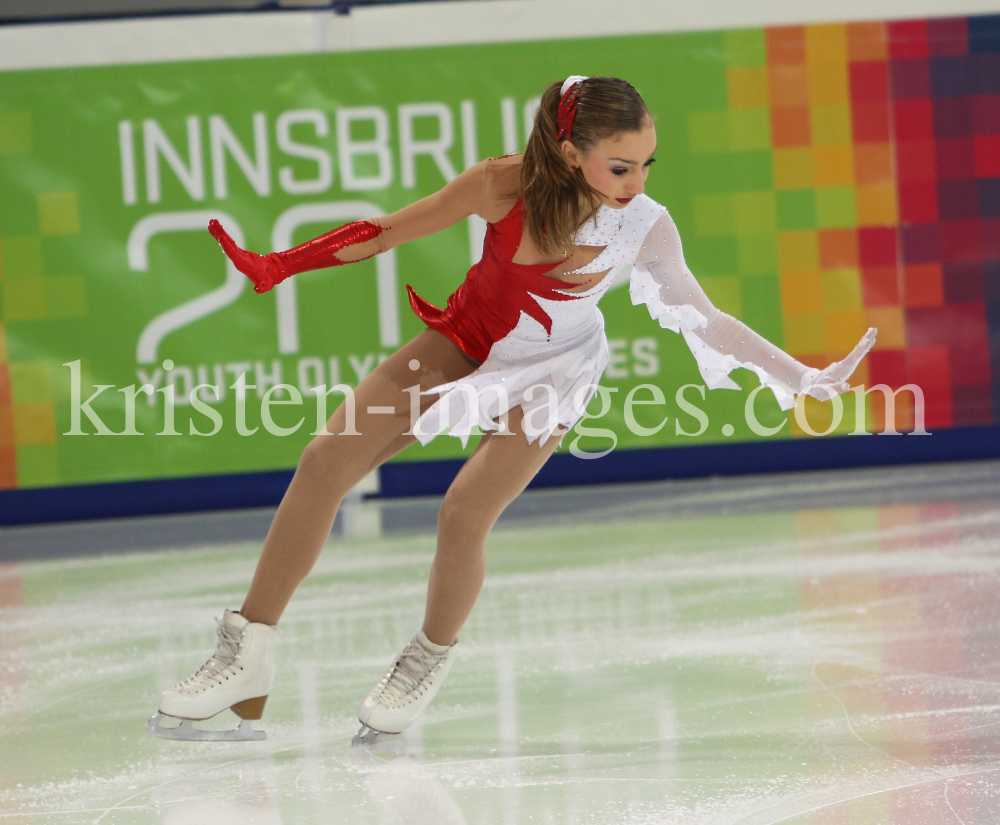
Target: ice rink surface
{"type": "Point", "coordinates": [818, 648]}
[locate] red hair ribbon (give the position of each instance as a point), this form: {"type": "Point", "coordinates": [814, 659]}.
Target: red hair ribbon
{"type": "Point", "coordinates": [567, 112]}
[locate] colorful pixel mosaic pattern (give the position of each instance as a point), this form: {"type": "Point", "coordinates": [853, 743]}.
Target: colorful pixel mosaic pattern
{"type": "Point", "coordinates": [885, 155]}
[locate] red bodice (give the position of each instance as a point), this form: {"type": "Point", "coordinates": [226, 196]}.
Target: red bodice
{"type": "Point", "coordinates": [489, 303]}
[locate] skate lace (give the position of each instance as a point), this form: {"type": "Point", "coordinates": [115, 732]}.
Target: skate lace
{"type": "Point", "coordinates": [414, 665]}
{"type": "Point", "coordinates": [226, 651]}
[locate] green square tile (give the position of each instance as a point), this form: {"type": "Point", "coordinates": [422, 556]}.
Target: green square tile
{"type": "Point", "coordinates": [714, 215]}
{"type": "Point", "coordinates": [37, 465]}
{"type": "Point", "coordinates": [15, 133]}
{"type": "Point", "coordinates": [31, 382]}
{"type": "Point", "coordinates": [708, 132]}
{"type": "Point", "coordinates": [755, 213]}
{"type": "Point", "coordinates": [725, 291]}
{"type": "Point", "coordinates": [733, 172]}
{"type": "Point", "coordinates": [66, 297]}
{"type": "Point", "coordinates": [757, 254]}
{"type": "Point", "coordinates": [21, 257]}
{"type": "Point", "coordinates": [24, 299]}
{"type": "Point", "coordinates": [835, 207]}
{"type": "Point", "coordinates": [749, 129]}
{"type": "Point", "coordinates": [796, 209]}
{"type": "Point", "coordinates": [58, 213]}
{"type": "Point", "coordinates": [745, 47]}
{"type": "Point", "coordinates": [706, 256]}
{"type": "Point", "coordinates": [762, 307]}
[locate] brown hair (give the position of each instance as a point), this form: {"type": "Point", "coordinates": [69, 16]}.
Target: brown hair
{"type": "Point", "coordinates": [556, 199]}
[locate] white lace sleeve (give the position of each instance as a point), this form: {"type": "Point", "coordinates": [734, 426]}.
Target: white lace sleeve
{"type": "Point", "coordinates": [662, 281]}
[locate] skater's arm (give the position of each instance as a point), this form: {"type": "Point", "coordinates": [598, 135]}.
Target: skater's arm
{"type": "Point", "coordinates": [719, 341]}
{"type": "Point", "coordinates": [356, 241]}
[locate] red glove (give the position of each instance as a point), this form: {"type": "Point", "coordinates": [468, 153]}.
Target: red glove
{"type": "Point", "coordinates": [267, 270]}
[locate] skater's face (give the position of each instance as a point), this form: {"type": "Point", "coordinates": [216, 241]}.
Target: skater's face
{"type": "Point", "coordinates": [617, 166]}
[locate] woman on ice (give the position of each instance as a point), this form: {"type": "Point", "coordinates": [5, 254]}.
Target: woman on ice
{"type": "Point", "coordinates": [518, 351]}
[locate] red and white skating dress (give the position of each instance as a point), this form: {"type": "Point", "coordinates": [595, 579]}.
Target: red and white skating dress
{"type": "Point", "coordinates": [543, 348]}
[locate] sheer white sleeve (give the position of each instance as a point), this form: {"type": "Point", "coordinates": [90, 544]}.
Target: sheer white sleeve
{"type": "Point", "coordinates": [720, 343]}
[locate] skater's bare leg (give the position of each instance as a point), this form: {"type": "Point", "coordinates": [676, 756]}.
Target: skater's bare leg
{"type": "Point", "coordinates": [332, 464]}
{"type": "Point", "coordinates": [494, 476]}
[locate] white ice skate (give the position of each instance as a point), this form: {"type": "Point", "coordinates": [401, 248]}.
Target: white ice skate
{"type": "Point", "coordinates": [406, 689]}
{"type": "Point", "coordinates": [238, 678]}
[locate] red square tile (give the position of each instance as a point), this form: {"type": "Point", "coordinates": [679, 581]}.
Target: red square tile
{"type": "Point", "coordinates": [920, 243]}
{"type": "Point", "coordinates": [955, 158]}
{"type": "Point", "coordinates": [961, 240]}
{"type": "Point", "coordinates": [887, 366]}
{"type": "Point", "coordinates": [915, 161]}
{"type": "Point", "coordinates": [929, 370]}
{"type": "Point", "coordinates": [869, 81]}
{"type": "Point", "coordinates": [870, 122]}
{"type": "Point", "coordinates": [923, 285]}
{"type": "Point", "coordinates": [918, 202]}
{"type": "Point", "coordinates": [8, 468]}
{"type": "Point", "coordinates": [908, 38]}
{"type": "Point", "coordinates": [877, 246]}
{"type": "Point", "coordinates": [990, 234]}
{"type": "Point", "coordinates": [880, 286]}
{"type": "Point", "coordinates": [986, 156]}
{"type": "Point", "coordinates": [963, 282]}
{"type": "Point", "coordinates": [913, 120]}
{"type": "Point", "coordinates": [947, 36]}
{"type": "Point", "coordinates": [910, 79]}
{"type": "Point", "coordinates": [985, 114]}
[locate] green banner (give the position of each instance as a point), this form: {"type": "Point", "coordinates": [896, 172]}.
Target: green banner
{"type": "Point", "coordinates": [108, 177]}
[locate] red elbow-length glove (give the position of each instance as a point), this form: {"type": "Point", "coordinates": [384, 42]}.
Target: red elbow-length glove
{"type": "Point", "coordinates": [267, 270]}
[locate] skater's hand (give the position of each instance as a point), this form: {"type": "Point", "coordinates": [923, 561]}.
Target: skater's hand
{"type": "Point", "coordinates": [263, 270]}
{"type": "Point", "coordinates": [833, 380]}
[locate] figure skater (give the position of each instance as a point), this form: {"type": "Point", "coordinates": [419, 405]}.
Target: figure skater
{"type": "Point", "coordinates": [517, 352]}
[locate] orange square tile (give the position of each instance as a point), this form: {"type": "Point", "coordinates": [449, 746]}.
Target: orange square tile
{"type": "Point", "coordinates": [829, 84]}
{"type": "Point", "coordinates": [790, 126]}
{"type": "Point", "coordinates": [747, 87]}
{"type": "Point", "coordinates": [890, 324]}
{"type": "Point", "coordinates": [867, 41]}
{"type": "Point", "coordinates": [876, 205]}
{"type": "Point", "coordinates": [833, 165]}
{"type": "Point", "coordinates": [838, 248]}
{"type": "Point", "coordinates": [842, 329]}
{"type": "Point", "coordinates": [7, 425]}
{"type": "Point", "coordinates": [788, 84]}
{"type": "Point", "coordinates": [873, 163]}
{"type": "Point", "coordinates": [801, 292]}
{"type": "Point", "coordinates": [923, 285]}
{"type": "Point", "coordinates": [8, 468]}
{"type": "Point", "coordinates": [826, 43]}
{"type": "Point", "coordinates": [793, 168]}
{"type": "Point", "coordinates": [5, 396]}
{"type": "Point", "coordinates": [3, 344]}
{"type": "Point", "coordinates": [785, 44]}
{"type": "Point", "coordinates": [798, 251]}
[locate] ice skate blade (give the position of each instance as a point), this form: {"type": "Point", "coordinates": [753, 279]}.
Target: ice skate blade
{"type": "Point", "coordinates": [187, 732]}
{"type": "Point", "coordinates": [366, 737]}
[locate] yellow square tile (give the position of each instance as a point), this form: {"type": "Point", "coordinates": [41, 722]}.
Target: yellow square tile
{"type": "Point", "coordinates": [826, 43]}
{"type": "Point", "coordinates": [830, 125]}
{"type": "Point", "coordinates": [841, 289]}
{"type": "Point", "coordinates": [747, 88]}
{"type": "Point", "coordinates": [58, 213]}
{"type": "Point", "coordinates": [23, 300]}
{"type": "Point", "coordinates": [828, 84]}
{"type": "Point", "coordinates": [749, 130]}
{"type": "Point", "coordinates": [725, 291]}
{"type": "Point", "coordinates": [833, 165]}
{"type": "Point", "coordinates": [891, 326]}
{"type": "Point", "coordinates": [756, 213]}
{"type": "Point", "coordinates": [804, 333]}
{"type": "Point", "coordinates": [801, 293]}
{"type": "Point", "coordinates": [3, 344]}
{"type": "Point", "coordinates": [793, 168]}
{"type": "Point", "coordinates": [35, 423]}
{"type": "Point", "coordinates": [842, 329]}
{"type": "Point", "coordinates": [31, 382]}
{"type": "Point", "coordinates": [798, 250]}
{"type": "Point", "coordinates": [876, 205]}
